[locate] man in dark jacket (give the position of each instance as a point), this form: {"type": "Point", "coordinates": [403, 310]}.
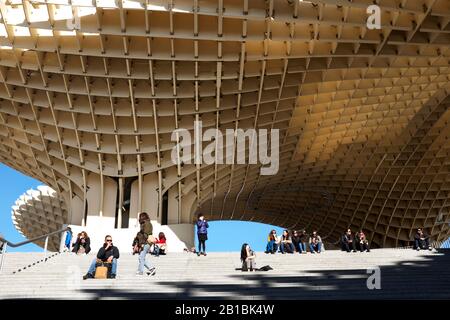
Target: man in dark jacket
{"type": "Point", "coordinates": [348, 241]}
{"type": "Point", "coordinates": [421, 240]}
{"type": "Point", "coordinates": [108, 253]}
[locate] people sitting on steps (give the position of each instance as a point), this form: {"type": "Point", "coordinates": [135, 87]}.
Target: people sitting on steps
{"type": "Point", "coordinates": [315, 243]}
{"type": "Point", "coordinates": [160, 245]}
{"type": "Point", "coordinates": [286, 245]}
{"type": "Point", "coordinates": [248, 258]}
{"type": "Point", "coordinates": [348, 241]}
{"type": "Point", "coordinates": [272, 242]}
{"type": "Point", "coordinates": [361, 242]}
{"type": "Point", "coordinates": [108, 253]}
{"type": "Point", "coordinates": [142, 243]}
{"type": "Point", "coordinates": [421, 240]}
{"type": "Point", "coordinates": [82, 244]}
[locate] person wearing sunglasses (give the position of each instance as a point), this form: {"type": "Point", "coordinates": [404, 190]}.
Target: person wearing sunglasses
{"type": "Point", "coordinates": [108, 253]}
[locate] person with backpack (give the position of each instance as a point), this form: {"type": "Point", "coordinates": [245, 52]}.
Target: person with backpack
{"type": "Point", "coordinates": [248, 258]}
{"type": "Point", "coordinates": [142, 243]}
{"type": "Point", "coordinates": [202, 233]}
{"type": "Point", "coordinates": [108, 253]}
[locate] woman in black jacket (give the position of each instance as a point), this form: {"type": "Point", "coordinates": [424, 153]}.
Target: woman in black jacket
{"type": "Point", "coordinates": [83, 244]}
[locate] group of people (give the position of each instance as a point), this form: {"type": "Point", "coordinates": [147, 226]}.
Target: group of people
{"type": "Point", "coordinates": [288, 242]}
{"type": "Point", "coordinates": [294, 241]}
{"type": "Point", "coordinates": [353, 242]}
{"type": "Point", "coordinates": [143, 243]}
{"type": "Point", "coordinates": [81, 245]}
{"type": "Point", "coordinates": [298, 241]}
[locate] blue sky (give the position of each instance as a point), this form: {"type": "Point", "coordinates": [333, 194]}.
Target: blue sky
{"type": "Point", "coordinates": [223, 235]}
{"type": "Point", "coordinates": [13, 184]}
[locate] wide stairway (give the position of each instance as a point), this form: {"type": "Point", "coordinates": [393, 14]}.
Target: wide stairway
{"type": "Point", "coordinates": [404, 274]}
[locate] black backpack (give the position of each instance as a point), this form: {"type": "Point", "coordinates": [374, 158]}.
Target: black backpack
{"type": "Point", "coordinates": [265, 268]}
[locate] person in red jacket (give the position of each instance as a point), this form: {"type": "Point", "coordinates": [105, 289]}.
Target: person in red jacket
{"type": "Point", "coordinates": [160, 245]}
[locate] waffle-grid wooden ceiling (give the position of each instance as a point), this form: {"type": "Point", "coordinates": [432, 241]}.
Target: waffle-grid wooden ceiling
{"type": "Point", "coordinates": [99, 86]}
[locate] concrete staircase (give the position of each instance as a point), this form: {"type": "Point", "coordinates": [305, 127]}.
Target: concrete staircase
{"type": "Point", "coordinates": [405, 274]}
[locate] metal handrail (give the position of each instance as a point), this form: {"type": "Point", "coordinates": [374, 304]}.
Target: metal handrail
{"type": "Point", "coordinates": [6, 243]}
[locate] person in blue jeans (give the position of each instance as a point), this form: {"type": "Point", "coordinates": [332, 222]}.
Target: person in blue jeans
{"type": "Point", "coordinates": [286, 245]}
{"type": "Point", "coordinates": [142, 244]}
{"type": "Point", "coordinates": [272, 242]}
{"type": "Point", "coordinates": [107, 253]}
{"type": "Point", "coordinates": [202, 233]}
{"type": "Point", "coordinates": [315, 243]}
{"type": "Point", "coordinates": [297, 242]}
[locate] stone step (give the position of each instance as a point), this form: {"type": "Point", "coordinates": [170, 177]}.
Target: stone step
{"type": "Point", "coordinates": [333, 274]}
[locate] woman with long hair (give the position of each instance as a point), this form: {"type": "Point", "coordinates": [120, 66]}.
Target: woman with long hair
{"type": "Point", "coordinates": [142, 244]}
{"type": "Point", "coordinates": [160, 245]}
{"type": "Point", "coordinates": [248, 258]}
{"type": "Point", "coordinates": [272, 242]}
{"type": "Point", "coordinates": [362, 242]}
{"type": "Point", "coordinates": [83, 244]}
{"type": "Point", "coordinates": [286, 243]}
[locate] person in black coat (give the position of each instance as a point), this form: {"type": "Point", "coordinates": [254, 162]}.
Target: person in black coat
{"type": "Point", "coordinates": [108, 253]}
{"type": "Point", "coordinates": [83, 244]}
{"type": "Point", "coordinates": [348, 241]}
{"type": "Point", "coordinates": [421, 240]}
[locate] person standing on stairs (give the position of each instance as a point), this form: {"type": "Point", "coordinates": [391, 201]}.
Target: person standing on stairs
{"type": "Point", "coordinates": [142, 243]}
{"type": "Point", "coordinates": [202, 233]}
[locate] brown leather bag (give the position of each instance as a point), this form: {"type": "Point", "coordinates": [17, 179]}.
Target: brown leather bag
{"type": "Point", "coordinates": [101, 272]}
